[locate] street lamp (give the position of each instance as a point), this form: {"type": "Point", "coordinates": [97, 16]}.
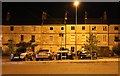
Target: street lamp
{"type": "Point", "coordinates": [76, 3]}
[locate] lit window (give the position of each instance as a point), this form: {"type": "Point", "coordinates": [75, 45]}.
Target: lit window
{"type": "Point", "coordinates": [51, 28]}
{"type": "Point", "coordinates": [104, 38]}
{"type": "Point", "coordinates": [51, 38]}
{"type": "Point", "coordinates": [104, 28]}
{"type": "Point", "coordinates": [72, 27]}
{"type": "Point", "coordinates": [116, 28]}
{"type": "Point", "coordinates": [22, 28]}
{"type": "Point", "coordinates": [72, 38]}
{"type": "Point", "coordinates": [83, 38]}
{"type": "Point", "coordinates": [33, 28]}
{"type": "Point", "coordinates": [83, 27]}
{"type": "Point", "coordinates": [93, 27]}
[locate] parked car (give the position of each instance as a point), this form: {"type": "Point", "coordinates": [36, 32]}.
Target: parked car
{"type": "Point", "coordinates": [22, 54]}
{"type": "Point", "coordinates": [44, 54]}
{"type": "Point", "coordinates": [64, 54]}
{"type": "Point", "coordinates": [87, 55]}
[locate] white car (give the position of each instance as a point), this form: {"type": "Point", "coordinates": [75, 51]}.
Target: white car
{"type": "Point", "coordinates": [22, 55]}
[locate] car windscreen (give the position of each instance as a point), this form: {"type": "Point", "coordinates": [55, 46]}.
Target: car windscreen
{"type": "Point", "coordinates": [43, 50]}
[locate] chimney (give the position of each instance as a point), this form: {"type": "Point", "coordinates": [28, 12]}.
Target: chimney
{"type": "Point", "coordinates": [105, 16]}
{"type": "Point", "coordinates": [65, 19]}
{"type": "Point", "coordinates": [85, 17]}
{"type": "Point", "coordinates": [8, 17]}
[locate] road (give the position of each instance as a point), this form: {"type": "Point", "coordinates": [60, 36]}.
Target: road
{"type": "Point", "coordinates": [39, 67]}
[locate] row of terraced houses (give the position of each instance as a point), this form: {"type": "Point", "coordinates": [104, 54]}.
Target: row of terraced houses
{"type": "Point", "coordinates": [54, 36]}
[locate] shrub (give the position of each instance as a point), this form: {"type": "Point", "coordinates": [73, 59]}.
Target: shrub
{"type": "Point", "coordinates": [116, 49]}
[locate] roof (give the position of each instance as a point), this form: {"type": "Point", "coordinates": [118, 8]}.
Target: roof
{"type": "Point", "coordinates": [61, 21]}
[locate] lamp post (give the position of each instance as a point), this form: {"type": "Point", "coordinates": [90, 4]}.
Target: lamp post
{"type": "Point", "coordinates": [76, 3]}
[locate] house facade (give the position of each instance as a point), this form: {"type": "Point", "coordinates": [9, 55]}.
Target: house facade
{"type": "Point", "coordinates": [54, 36]}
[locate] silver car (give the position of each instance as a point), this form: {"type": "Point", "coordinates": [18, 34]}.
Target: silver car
{"type": "Point", "coordinates": [44, 54]}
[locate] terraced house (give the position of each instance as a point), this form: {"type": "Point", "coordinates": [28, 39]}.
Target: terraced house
{"type": "Point", "coordinates": [54, 36]}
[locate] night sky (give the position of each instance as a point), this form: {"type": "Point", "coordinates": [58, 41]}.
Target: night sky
{"type": "Point", "coordinates": [32, 11]}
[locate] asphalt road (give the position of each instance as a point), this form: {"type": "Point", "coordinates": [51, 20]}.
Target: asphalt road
{"type": "Point", "coordinates": [59, 68]}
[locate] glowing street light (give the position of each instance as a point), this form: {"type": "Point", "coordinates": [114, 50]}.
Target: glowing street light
{"type": "Point", "coordinates": [76, 3]}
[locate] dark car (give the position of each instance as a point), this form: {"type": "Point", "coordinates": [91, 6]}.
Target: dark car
{"type": "Point", "coordinates": [22, 54]}
{"type": "Point", "coordinates": [44, 54]}
{"type": "Point", "coordinates": [87, 55]}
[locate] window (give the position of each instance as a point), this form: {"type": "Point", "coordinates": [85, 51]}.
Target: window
{"type": "Point", "coordinates": [72, 49]}
{"type": "Point", "coordinates": [51, 38]}
{"type": "Point", "coordinates": [22, 38]}
{"type": "Point", "coordinates": [104, 28]}
{"type": "Point", "coordinates": [11, 28]}
{"type": "Point", "coordinates": [72, 27]}
{"type": "Point", "coordinates": [62, 28]}
{"type": "Point", "coordinates": [61, 35]}
{"type": "Point", "coordinates": [116, 38]}
{"type": "Point", "coordinates": [22, 28]}
{"type": "Point", "coordinates": [83, 38]}
{"type": "Point", "coordinates": [83, 27]}
{"type": "Point", "coordinates": [33, 38]}
{"type": "Point", "coordinates": [116, 28]}
{"type": "Point", "coordinates": [104, 38]}
{"type": "Point", "coordinates": [93, 27]}
{"type": "Point", "coordinates": [72, 38]}
{"type": "Point", "coordinates": [33, 28]}
{"type": "Point", "coordinates": [51, 28]}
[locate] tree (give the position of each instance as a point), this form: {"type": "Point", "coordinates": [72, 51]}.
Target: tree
{"type": "Point", "coordinates": [92, 44]}
{"type": "Point", "coordinates": [10, 47]}
{"type": "Point", "coordinates": [26, 45]}
{"type": "Point", "coordinates": [116, 49]}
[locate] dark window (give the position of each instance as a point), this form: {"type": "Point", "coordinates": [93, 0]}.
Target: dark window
{"type": "Point", "coordinates": [33, 38]}
{"type": "Point", "coordinates": [61, 35]}
{"type": "Point", "coordinates": [72, 27]}
{"type": "Point", "coordinates": [72, 49]}
{"type": "Point", "coordinates": [94, 28]}
{"type": "Point", "coordinates": [116, 28]}
{"type": "Point", "coordinates": [83, 27]}
{"type": "Point", "coordinates": [104, 28]}
{"type": "Point", "coordinates": [51, 28]}
{"type": "Point", "coordinates": [116, 38]}
{"type": "Point", "coordinates": [11, 28]}
{"type": "Point", "coordinates": [22, 38]}
{"type": "Point", "coordinates": [62, 28]}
